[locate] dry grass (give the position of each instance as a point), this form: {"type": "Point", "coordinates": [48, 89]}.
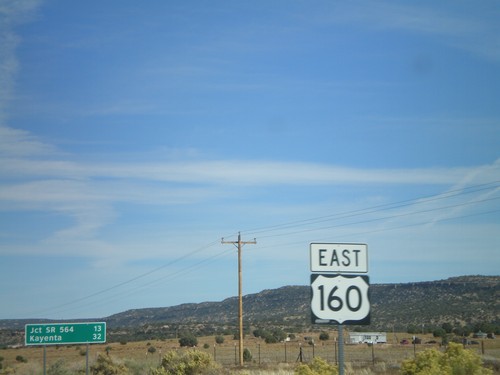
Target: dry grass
{"type": "Point", "coordinates": [267, 359]}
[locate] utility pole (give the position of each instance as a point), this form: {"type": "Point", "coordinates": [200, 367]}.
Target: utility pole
{"type": "Point", "coordinates": [239, 244]}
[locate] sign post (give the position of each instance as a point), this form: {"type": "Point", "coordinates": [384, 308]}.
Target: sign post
{"type": "Point", "coordinates": [339, 294]}
{"type": "Point", "coordinates": [65, 333]}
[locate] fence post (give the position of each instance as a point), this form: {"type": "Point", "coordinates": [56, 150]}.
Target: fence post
{"type": "Point", "coordinates": [336, 358]}
{"type": "Point", "coordinates": [373, 354]}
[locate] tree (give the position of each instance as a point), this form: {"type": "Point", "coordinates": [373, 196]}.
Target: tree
{"type": "Point", "coordinates": [447, 327]}
{"type": "Point", "coordinates": [188, 340]}
{"type": "Point", "coordinates": [412, 328]}
{"type": "Point", "coordinates": [439, 332]}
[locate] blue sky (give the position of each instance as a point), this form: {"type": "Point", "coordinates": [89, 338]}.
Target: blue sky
{"type": "Point", "coordinates": [134, 136]}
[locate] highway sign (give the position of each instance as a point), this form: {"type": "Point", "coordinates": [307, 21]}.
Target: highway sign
{"type": "Point", "coordinates": [340, 299]}
{"type": "Point", "coordinates": [339, 257]}
{"type": "Point", "coordinates": [65, 333]}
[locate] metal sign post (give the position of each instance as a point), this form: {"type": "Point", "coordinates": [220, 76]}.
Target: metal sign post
{"type": "Point", "coordinates": [87, 360]}
{"type": "Point", "coordinates": [341, 350]}
{"type": "Point", "coordinates": [45, 360]}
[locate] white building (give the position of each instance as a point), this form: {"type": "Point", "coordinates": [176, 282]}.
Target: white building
{"type": "Point", "coordinates": [367, 337]}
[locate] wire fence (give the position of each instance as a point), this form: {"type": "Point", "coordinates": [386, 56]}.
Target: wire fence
{"type": "Point", "coordinates": [356, 355]}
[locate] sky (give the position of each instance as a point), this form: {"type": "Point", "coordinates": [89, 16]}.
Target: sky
{"type": "Point", "coordinates": [134, 136]}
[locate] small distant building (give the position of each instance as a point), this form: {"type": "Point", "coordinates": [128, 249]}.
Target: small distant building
{"type": "Point", "coordinates": [367, 338]}
{"type": "Point", "coordinates": [480, 335]}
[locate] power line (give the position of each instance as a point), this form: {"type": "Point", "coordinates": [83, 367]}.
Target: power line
{"type": "Point", "coordinates": [102, 291]}
{"type": "Point", "coordinates": [136, 289]}
{"type": "Point", "coordinates": [381, 218]}
{"type": "Point", "coordinates": [279, 228]}
{"type": "Point", "coordinates": [378, 208]}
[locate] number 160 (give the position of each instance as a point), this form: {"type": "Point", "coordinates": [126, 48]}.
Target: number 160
{"type": "Point", "coordinates": [336, 303]}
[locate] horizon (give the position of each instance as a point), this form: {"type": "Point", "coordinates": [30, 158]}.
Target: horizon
{"type": "Point", "coordinates": [133, 138]}
{"type": "Point", "coordinates": [232, 297]}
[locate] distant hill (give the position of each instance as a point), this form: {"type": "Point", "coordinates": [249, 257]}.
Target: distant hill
{"type": "Point", "coordinates": [464, 300]}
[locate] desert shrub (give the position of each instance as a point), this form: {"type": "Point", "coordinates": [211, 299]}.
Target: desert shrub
{"type": "Point", "coordinates": [455, 361]}
{"type": "Point", "coordinates": [151, 349]}
{"type": "Point", "coordinates": [20, 358]}
{"type": "Point", "coordinates": [270, 336]}
{"type": "Point", "coordinates": [136, 367]}
{"type": "Point", "coordinates": [323, 336]}
{"type": "Point", "coordinates": [58, 368]}
{"type": "Point", "coordinates": [105, 366]}
{"type": "Point", "coordinates": [188, 340]}
{"type": "Point", "coordinates": [318, 366]}
{"type": "Point", "coordinates": [219, 339]}
{"type": "Point", "coordinates": [247, 355]}
{"type": "Point", "coordinates": [188, 363]}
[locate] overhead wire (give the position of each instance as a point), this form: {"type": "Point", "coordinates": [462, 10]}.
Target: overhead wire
{"type": "Point", "coordinates": [382, 218]}
{"type": "Point", "coordinates": [281, 230]}
{"type": "Point", "coordinates": [377, 208]}
{"type": "Point", "coordinates": [171, 276]}
{"type": "Point", "coordinates": [128, 281]}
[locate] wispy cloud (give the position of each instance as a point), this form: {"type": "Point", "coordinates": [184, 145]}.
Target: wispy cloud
{"type": "Point", "coordinates": [17, 148]}
{"type": "Point", "coordinates": [12, 13]}
{"type": "Point", "coordinates": [16, 142]}
{"type": "Point", "coordinates": [89, 193]}
{"type": "Point", "coordinates": [460, 29]}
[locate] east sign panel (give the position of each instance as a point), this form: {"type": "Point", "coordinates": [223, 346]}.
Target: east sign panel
{"type": "Point", "coordinates": [338, 295]}
{"type": "Point", "coordinates": [65, 333]}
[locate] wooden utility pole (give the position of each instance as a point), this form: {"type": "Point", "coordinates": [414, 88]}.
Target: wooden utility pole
{"type": "Point", "coordinates": [239, 244]}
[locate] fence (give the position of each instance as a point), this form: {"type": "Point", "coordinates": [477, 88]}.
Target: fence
{"type": "Point", "coordinates": [356, 355]}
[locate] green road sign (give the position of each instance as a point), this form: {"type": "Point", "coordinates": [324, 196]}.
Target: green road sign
{"type": "Point", "coordinates": [65, 333]}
